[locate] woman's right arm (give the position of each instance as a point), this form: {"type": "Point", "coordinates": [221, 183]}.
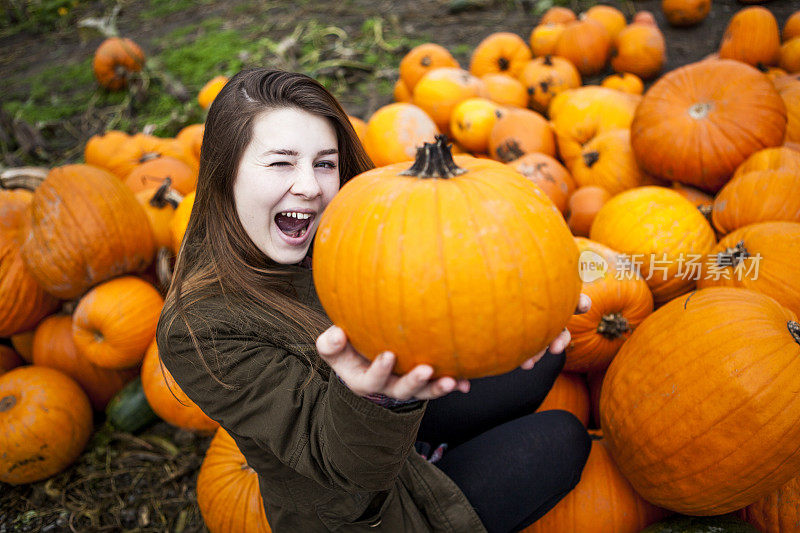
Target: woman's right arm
{"type": "Point", "coordinates": [320, 428]}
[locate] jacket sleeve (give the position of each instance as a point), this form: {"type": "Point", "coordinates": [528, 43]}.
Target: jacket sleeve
{"type": "Point", "coordinates": [316, 426]}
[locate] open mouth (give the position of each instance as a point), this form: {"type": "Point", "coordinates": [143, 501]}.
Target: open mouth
{"type": "Point", "coordinates": [293, 224]}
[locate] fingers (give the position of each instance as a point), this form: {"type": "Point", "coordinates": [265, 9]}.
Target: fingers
{"type": "Point", "coordinates": [331, 342]}
{"type": "Point", "coordinates": [561, 342]}
{"type": "Point", "coordinates": [529, 363]}
{"type": "Point", "coordinates": [584, 304]}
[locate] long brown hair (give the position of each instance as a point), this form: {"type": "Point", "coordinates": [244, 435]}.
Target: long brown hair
{"type": "Point", "coordinates": [217, 256]}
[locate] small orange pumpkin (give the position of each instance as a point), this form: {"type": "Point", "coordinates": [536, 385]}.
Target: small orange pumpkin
{"type": "Point", "coordinates": [607, 160]}
{"type": "Point", "coordinates": [422, 58]}
{"type": "Point", "coordinates": [115, 322]}
{"type": "Point", "coordinates": [790, 55]}
{"type": "Point", "coordinates": [101, 148]}
{"type": "Point", "coordinates": [752, 37]}
{"type": "Point", "coordinates": [153, 173]}
{"type": "Point", "coordinates": [227, 490]}
{"type": "Point", "coordinates": [53, 347]}
{"type": "Point", "coordinates": [401, 92]}
{"type": "Point", "coordinates": [395, 131]}
{"type": "Point", "coordinates": [210, 90]}
{"type": "Point", "coordinates": [140, 148]}
{"type": "Point", "coordinates": [550, 175]}
{"type": "Point", "coordinates": [611, 18]}
{"type": "Point", "coordinates": [791, 28]}
{"type": "Point", "coordinates": [545, 77]}
{"type": "Point", "coordinates": [115, 60]}
{"type": "Point", "coordinates": [640, 49]}
{"type": "Point", "coordinates": [583, 206]}
{"type": "Point", "coordinates": [518, 132]}
{"type": "Point", "coordinates": [685, 12]}
{"type": "Point", "coordinates": [558, 15]}
{"type": "Point", "coordinates": [192, 136]}
{"type": "Point", "coordinates": [644, 17]}
{"type": "Point", "coordinates": [180, 221]}
{"type": "Point", "coordinates": [159, 204]}
{"type": "Point", "coordinates": [439, 91]}
{"type": "Point", "coordinates": [46, 420]}
{"type": "Point", "coordinates": [500, 53]}
{"type": "Point", "coordinates": [472, 121]}
{"type": "Point", "coordinates": [505, 90]}
{"type": "Point", "coordinates": [586, 44]}
{"type": "Point", "coordinates": [775, 158]}
{"type": "Point", "coordinates": [625, 82]}
{"type": "Point", "coordinates": [168, 400]}
{"type": "Point", "coordinates": [544, 38]}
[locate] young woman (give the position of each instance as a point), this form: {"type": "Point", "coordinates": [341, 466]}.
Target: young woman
{"type": "Point", "coordinates": [331, 435]}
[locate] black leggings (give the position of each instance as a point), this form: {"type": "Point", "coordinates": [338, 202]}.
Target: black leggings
{"type": "Point", "coordinates": [512, 464]}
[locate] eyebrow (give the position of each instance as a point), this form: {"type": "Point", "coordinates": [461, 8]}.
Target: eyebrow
{"type": "Point", "coordinates": [294, 153]}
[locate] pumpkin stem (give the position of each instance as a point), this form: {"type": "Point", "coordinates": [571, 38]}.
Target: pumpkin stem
{"type": "Point", "coordinates": [148, 156]}
{"type": "Point", "coordinates": [434, 160]}
{"type": "Point", "coordinates": [165, 196]}
{"type": "Point", "coordinates": [503, 63]}
{"type": "Point", "coordinates": [7, 403]}
{"type": "Point", "coordinates": [28, 178]}
{"type": "Point", "coordinates": [701, 110]}
{"type": "Point", "coordinates": [706, 211]}
{"type": "Point", "coordinates": [590, 158]}
{"type": "Point", "coordinates": [548, 60]}
{"type": "Point", "coordinates": [163, 269]}
{"type": "Point", "coordinates": [613, 325]}
{"type": "Point", "coordinates": [794, 329]}
{"type": "Point", "coordinates": [733, 256]}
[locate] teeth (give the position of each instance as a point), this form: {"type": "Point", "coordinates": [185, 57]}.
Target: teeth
{"type": "Point", "coordinates": [300, 216]}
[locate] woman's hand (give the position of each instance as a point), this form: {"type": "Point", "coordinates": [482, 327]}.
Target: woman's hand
{"type": "Point", "coordinates": [364, 377]}
{"type": "Point", "coordinates": [562, 341]}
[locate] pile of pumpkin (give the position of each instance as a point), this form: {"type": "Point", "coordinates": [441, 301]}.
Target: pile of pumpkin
{"type": "Point", "coordinates": [699, 406]}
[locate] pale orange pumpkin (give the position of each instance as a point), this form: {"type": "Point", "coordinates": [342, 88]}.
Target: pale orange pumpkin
{"type": "Point", "coordinates": [602, 502]}
{"type": "Point", "coordinates": [149, 174]}
{"type": "Point", "coordinates": [569, 393]}
{"type": "Point", "coordinates": [23, 302]}
{"type": "Point", "coordinates": [115, 60]}
{"type": "Point", "coordinates": [685, 12]}
{"type": "Point", "coordinates": [53, 347]}
{"type": "Point", "coordinates": [621, 300]}
{"type": "Point", "coordinates": [472, 121]}
{"type": "Point", "coordinates": [505, 90]}
{"type": "Point", "coordinates": [227, 490]}
{"type": "Point", "coordinates": [550, 175]}
{"type": "Point", "coordinates": [762, 257]}
{"type": "Point", "coordinates": [545, 77]}
{"type": "Point", "coordinates": [625, 82]}
{"type": "Point", "coordinates": [691, 455]}
{"type": "Point", "coordinates": [558, 15]}
{"type": "Point", "coordinates": [607, 160]}
{"type": "Point", "coordinates": [752, 37]}
{"type": "Point", "coordinates": [471, 325]}
{"type": "Point", "coordinates": [583, 206]}
{"type": "Point", "coordinates": [586, 44]}
{"type": "Point", "coordinates": [422, 58]}
{"type": "Point", "coordinates": [115, 322]}
{"type": "Point", "coordinates": [500, 53]}
{"type": "Point", "coordinates": [395, 131]}
{"type": "Point", "coordinates": [86, 227]}
{"type": "Point", "coordinates": [518, 132]}
{"type": "Point", "coordinates": [712, 114]}
{"type": "Point", "coordinates": [639, 49]}
{"type": "Point", "coordinates": [46, 420]}
{"type": "Point", "coordinates": [544, 38]}
{"type": "Point", "coordinates": [661, 231]}
{"type": "Point", "coordinates": [167, 399]}
{"type": "Point", "coordinates": [758, 196]}
{"type": "Point", "coordinates": [611, 18]}
{"type": "Point", "coordinates": [439, 91]}
{"type": "Point", "coordinates": [210, 90]}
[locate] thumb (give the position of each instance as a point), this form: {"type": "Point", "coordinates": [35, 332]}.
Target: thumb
{"type": "Point", "coordinates": [333, 340]}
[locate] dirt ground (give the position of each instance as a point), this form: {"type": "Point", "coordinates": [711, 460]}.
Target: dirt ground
{"type": "Point", "coordinates": [125, 482]}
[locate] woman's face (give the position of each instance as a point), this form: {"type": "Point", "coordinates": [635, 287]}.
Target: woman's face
{"type": "Point", "coordinates": [287, 175]}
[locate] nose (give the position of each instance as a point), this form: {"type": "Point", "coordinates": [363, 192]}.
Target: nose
{"type": "Point", "coordinates": [306, 184]}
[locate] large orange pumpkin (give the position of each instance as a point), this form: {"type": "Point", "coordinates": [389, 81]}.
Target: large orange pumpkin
{"type": "Point", "coordinates": [778, 512]}
{"type": "Point", "coordinates": [776, 158]}
{"type": "Point", "coordinates": [752, 37]}
{"type": "Point", "coordinates": [550, 175]}
{"type": "Point", "coordinates": [23, 302]}
{"type": "Point", "coordinates": [86, 227]}
{"type": "Point", "coordinates": [712, 114]}
{"type": "Point", "coordinates": [115, 60]}
{"type": "Point", "coordinates": [227, 490]}
{"type": "Point", "coordinates": [698, 422]}
{"type": "Point", "coordinates": [758, 196]}
{"type": "Point", "coordinates": [46, 420]}
{"type": "Point", "coordinates": [569, 393]}
{"type": "Point", "coordinates": [661, 232]}
{"type": "Point", "coordinates": [395, 131]}
{"type": "Point", "coordinates": [115, 322]}
{"type": "Point", "coordinates": [602, 502]}
{"type": "Point", "coordinates": [518, 132]}
{"type": "Point", "coordinates": [469, 287]}
{"type": "Point", "coordinates": [621, 300]}
{"type": "Point", "coordinates": [762, 257]}
{"type": "Point", "coordinates": [53, 347]}
{"type": "Point", "coordinates": [168, 400]}
{"type": "Point", "coordinates": [501, 52]}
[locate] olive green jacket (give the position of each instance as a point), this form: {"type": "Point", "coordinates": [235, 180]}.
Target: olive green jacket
{"type": "Point", "coordinates": [327, 459]}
